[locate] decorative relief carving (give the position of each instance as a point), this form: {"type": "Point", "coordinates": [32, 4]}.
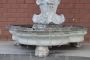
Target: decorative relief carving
{"type": "Point", "coordinates": [48, 12]}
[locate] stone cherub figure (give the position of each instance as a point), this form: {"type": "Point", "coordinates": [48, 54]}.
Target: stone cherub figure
{"type": "Point", "coordinates": [48, 12]}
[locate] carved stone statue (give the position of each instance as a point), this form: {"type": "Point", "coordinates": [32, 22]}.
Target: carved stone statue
{"type": "Point", "coordinates": [48, 12]}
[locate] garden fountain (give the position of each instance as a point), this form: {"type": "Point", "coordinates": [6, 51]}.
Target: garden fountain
{"type": "Point", "coordinates": [47, 30]}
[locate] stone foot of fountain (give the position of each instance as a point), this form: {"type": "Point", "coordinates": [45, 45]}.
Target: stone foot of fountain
{"type": "Point", "coordinates": [41, 51]}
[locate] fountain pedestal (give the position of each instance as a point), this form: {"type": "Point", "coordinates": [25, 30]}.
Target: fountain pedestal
{"type": "Point", "coordinates": [41, 51]}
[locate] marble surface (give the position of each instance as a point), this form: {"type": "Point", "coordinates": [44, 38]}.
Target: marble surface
{"type": "Point", "coordinates": [48, 12]}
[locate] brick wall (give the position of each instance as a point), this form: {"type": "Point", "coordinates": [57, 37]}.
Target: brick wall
{"type": "Point", "coordinates": [77, 12]}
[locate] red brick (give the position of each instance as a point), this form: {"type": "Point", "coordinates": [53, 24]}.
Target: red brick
{"type": "Point", "coordinates": [16, 6]}
{"type": "Point", "coordinates": [66, 5]}
{"type": "Point", "coordinates": [3, 19]}
{"type": "Point", "coordinates": [12, 19]}
{"type": "Point", "coordinates": [3, 10]}
{"type": "Point", "coordinates": [66, 1]}
{"type": "Point", "coordinates": [21, 10]}
{"type": "Point", "coordinates": [87, 6]}
{"type": "Point", "coordinates": [79, 6]}
{"type": "Point", "coordinates": [76, 11]}
{"type": "Point", "coordinates": [30, 1]}
{"type": "Point", "coordinates": [11, 1]}
{"type": "Point", "coordinates": [1, 5]}
{"type": "Point", "coordinates": [84, 1]}
{"type": "Point", "coordinates": [20, 1]}
{"type": "Point", "coordinates": [3, 1]}
{"type": "Point", "coordinates": [11, 5]}
{"type": "Point", "coordinates": [12, 10]}
{"type": "Point", "coordinates": [17, 15]}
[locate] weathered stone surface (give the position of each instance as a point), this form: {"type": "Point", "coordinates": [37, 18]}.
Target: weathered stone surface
{"type": "Point", "coordinates": [48, 12]}
{"type": "Point", "coordinates": [42, 36]}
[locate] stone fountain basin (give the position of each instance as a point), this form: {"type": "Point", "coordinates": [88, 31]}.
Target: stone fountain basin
{"type": "Point", "coordinates": [48, 36]}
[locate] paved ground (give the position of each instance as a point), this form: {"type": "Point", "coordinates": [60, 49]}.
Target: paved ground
{"type": "Point", "coordinates": [8, 51]}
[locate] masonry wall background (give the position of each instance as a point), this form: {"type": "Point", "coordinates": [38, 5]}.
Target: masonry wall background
{"type": "Point", "coordinates": [77, 12]}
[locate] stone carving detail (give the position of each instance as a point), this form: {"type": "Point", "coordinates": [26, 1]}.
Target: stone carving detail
{"type": "Point", "coordinates": [48, 12]}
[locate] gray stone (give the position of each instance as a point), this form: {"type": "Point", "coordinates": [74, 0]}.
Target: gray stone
{"type": "Point", "coordinates": [42, 35]}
